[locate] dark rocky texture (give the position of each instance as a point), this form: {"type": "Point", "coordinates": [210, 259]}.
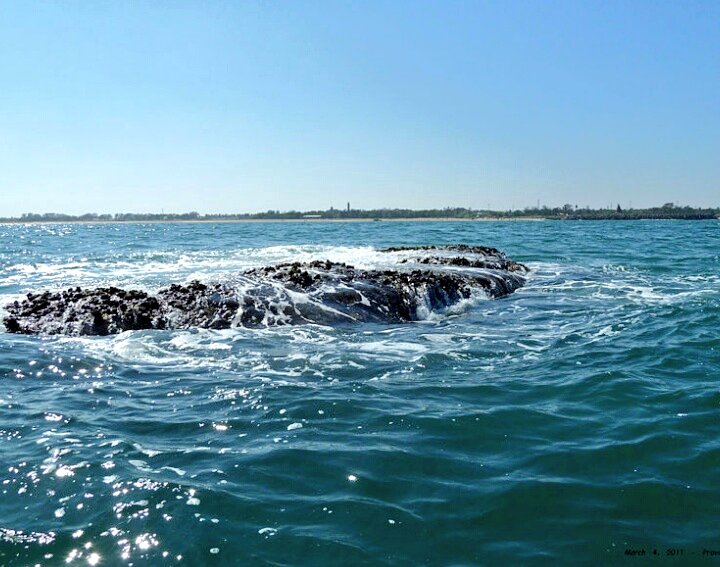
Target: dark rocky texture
{"type": "Point", "coordinates": [428, 278]}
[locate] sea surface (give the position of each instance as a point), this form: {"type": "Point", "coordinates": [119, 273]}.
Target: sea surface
{"type": "Point", "coordinates": [569, 423]}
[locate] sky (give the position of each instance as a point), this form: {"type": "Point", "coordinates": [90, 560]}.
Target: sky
{"type": "Point", "coordinates": [245, 106]}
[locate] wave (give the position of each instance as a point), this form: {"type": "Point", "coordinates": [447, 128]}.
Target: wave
{"type": "Point", "coordinates": [406, 284]}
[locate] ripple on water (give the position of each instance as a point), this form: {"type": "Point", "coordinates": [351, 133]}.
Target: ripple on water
{"type": "Point", "coordinates": [572, 419]}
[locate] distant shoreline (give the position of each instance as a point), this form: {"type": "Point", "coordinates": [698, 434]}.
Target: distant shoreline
{"type": "Point", "coordinates": [224, 221]}
{"type": "Point", "coordinates": [210, 221]}
{"type": "Point", "coordinates": [669, 211]}
{"type": "Point", "coordinates": [350, 220]}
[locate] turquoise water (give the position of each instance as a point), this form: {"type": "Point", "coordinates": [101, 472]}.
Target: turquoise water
{"type": "Point", "coordinates": [565, 424]}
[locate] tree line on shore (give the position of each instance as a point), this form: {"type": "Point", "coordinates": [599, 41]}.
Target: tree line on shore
{"type": "Point", "coordinates": [566, 212]}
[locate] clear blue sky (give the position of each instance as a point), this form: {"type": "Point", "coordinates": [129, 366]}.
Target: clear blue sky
{"type": "Point", "coordinates": [248, 106]}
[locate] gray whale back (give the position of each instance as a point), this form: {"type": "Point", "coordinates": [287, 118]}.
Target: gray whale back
{"type": "Point", "coordinates": [422, 280]}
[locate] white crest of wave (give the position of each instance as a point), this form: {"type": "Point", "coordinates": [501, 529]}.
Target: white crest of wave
{"type": "Point", "coordinates": [426, 313]}
{"type": "Point", "coordinates": [151, 270]}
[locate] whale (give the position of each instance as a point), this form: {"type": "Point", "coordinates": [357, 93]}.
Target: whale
{"type": "Point", "coordinates": [416, 280]}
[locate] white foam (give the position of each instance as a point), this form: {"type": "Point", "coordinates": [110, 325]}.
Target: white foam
{"type": "Point", "coordinates": [426, 313]}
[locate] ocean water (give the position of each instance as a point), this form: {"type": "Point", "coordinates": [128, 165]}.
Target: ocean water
{"type": "Point", "coordinates": [569, 423]}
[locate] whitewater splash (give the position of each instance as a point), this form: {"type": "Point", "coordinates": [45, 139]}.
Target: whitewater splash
{"type": "Point", "coordinates": [423, 279]}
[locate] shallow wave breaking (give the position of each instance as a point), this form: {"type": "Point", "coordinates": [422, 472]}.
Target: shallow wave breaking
{"type": "Point", "coordinates": [420, 281]}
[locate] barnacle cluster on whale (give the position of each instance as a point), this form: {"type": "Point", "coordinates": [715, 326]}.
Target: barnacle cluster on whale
{"type": "Point", "coordinates": [422, 279]}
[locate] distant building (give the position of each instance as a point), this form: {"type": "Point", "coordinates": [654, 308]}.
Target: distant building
{"type": "Point", "coordinates": [348, 206]}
